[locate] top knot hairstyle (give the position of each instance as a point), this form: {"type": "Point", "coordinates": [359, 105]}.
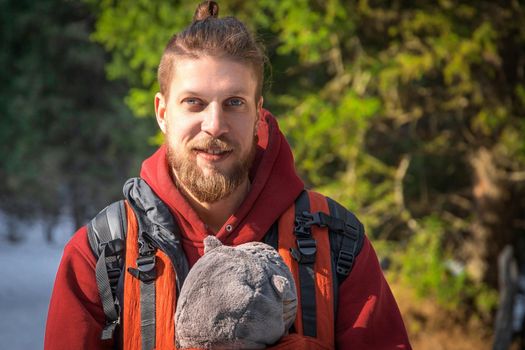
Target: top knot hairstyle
{"type": "Point", "coordinates": [206, 9]}
{"type": "Point", "coordinates": [209, 35]}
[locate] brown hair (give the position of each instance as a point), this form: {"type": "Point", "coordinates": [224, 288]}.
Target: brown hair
{"type": "Point", "coordinates": [209, 35]}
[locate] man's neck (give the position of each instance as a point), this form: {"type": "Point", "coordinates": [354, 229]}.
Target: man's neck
{"type": "Point", "coordinates": [214, 215]}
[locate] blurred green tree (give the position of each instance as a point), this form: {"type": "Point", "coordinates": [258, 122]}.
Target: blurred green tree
{"type": "Point", "coordinates": [67, 137]}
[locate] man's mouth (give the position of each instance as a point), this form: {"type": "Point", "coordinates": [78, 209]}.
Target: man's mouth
{"type": "Point", "coordinates": [212, 153]}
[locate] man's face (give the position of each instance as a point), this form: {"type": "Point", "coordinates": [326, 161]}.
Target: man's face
{"type": "Point", "coordinates": [209, 121]}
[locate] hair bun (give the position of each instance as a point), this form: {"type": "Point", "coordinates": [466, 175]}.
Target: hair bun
{"type": "Point", "coordinates": [206, 9]}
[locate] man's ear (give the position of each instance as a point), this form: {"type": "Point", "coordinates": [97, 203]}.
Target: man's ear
{"type": "Point", "coordinates": [160, 111]}
{"type": "Point", "coordinates": [260, 106]}
{"type": "Point", "coordinates": [259, 113]}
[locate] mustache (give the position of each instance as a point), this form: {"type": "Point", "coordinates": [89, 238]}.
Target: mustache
{"type": "Point", "coordinates": [218, 144]}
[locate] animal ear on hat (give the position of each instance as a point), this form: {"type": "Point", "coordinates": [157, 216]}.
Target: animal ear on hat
{"type": "Point", "coordinates": [210, 243]}
{"type": "Point", "coordinates": [280, 284]}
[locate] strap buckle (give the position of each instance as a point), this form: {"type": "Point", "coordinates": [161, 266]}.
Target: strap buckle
{"type": "Point", "coordinates": [314, 218]}
{"type": "Point", "coordinates": [306, 245]}
{"type": "Point", "coordinates": [145, 270]}
{"type": "Point", "coordinates": [333, 223]}
{"type": "Point", "coordinates": [345, 261]}
{"type": "Point", "coordinates": [302, 225]}
{"type": "Point", "coordinates": [306, 250]}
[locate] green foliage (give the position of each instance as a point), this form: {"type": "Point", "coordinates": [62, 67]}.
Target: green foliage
{"type": "Point", "coordinates": [386, 105]}
{"type": "Point", "coordinates": [485, 300]}
{"type": "Point", "coordinates": [67, 138]}
{"type": "Point", "coordinates": [136, 33]}
{"type": "Point", "coordinates": [428, 272]}
{"type": "Point", "coordinates": [427, 264]}
{"type": "Point", "coordinates": [318, 129]}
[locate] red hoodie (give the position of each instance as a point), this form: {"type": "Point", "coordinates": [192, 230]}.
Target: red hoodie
{"type": "Point", "coordinates": [368, 317]}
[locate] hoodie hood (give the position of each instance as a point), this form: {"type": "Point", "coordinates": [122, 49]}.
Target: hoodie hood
{"type": "Point", "coordinates": [274, 187]}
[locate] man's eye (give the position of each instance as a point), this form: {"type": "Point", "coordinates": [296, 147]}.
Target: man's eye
{"type": "Point", "coordinates": [235, 102]}
{"type": "Point", "coordinates": [192, 101]}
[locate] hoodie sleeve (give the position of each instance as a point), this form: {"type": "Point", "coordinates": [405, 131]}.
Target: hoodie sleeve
{"type": "Point", "coordinates": [75, 318]}
{"type": "Point", "coordinates": [368, 316]}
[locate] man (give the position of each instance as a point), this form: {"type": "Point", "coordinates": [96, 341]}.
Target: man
{"type": "Point", "coordinates": [225, 170]}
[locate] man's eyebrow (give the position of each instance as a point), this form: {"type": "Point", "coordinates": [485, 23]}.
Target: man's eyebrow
{"type": "Point", "coordinates": [235, 92]}
{"type": "Point", "coordinates": [238, 92]}
{"type": "Point", "coordinates": [188, 92]}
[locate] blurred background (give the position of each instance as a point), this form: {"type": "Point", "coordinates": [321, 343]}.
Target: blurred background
{"type": "Point", "coordinates": [411, 114]}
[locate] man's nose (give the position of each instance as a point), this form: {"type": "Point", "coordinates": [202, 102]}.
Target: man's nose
{"type": "Point", "coordinates": [214, 122]}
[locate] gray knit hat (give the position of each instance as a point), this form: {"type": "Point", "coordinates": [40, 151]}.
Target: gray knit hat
{"type": "Point", "coordinates": [240, 297]}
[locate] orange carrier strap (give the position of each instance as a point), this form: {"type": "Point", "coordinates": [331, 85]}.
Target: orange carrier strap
{"type": "Point", "coordinates": [307, 254]}
{"type": "Point", "coordinates": [131, 338]}
{"type": "Point", "coordinates": [164, 308]}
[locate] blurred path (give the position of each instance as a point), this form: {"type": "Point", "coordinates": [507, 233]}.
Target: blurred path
{"type": "Point", "coordinates": [27, 275]}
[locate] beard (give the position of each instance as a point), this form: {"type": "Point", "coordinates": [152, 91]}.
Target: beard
{"type": "Point", "coordinates": [217, 184]}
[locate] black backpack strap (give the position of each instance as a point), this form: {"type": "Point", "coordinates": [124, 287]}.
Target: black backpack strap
{"type": "Point", "coordinates": [348, 238]}
{"type": "Point", "coordinates": [305, 256]}
{"type": "Point", "coordinates": [106, 235]}
{"type": "Point", "coordinates": [272, 236]}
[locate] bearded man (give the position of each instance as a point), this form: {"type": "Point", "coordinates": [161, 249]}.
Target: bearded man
{"type": "Point", "coordinates": [225, 170]}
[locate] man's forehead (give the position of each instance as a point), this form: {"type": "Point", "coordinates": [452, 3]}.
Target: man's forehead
{"type": "Point", "coordinates": [192, 75]}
